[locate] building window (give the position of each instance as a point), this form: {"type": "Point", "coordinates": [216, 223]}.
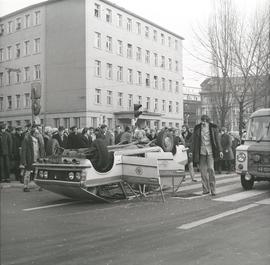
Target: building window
{"type": "Point", "coordinates": [98, 96]}
{"type": "Point", "coordinates": [18, 76]}
{"type": "Point", "coordinates": [97, 11]}
{"type": "Point", "coordinates": [176, 66]}
{"type": "Point", "coordinates": [119, 73]}
{"type": "Point", "coordinates": [1, 55]}
{"type": "Point", "coordinates": [147, 56]}
{"type": "Point", "coordinates": [138, 26]}
{"type": "Point", "coordinates": [67, 122]}
{"type": "Point", "coordinates": [1, 103]}
{"type": "Point", "coordinates": [110, 123]}
{"type": "Point", "coordinates": [94, 122]}
{"type": "Point", "coordinates": [155, 82]}
{"type": "Point", "coordinates": [176, 44]}
{"type": "Point", "coordinates": [139, 77]}
{"type": "Point", "coordinates": [1, 79]}
{"type": "Point", "coordinates": [156, 59]}
{"type": "Point", "coordinates": [18, 23]}
{"type": "Point", "coordinates": [170, 85]}
{"type": "Point", "coordinates": [109, 97]}
{"type": "Point", "coordinates": [129, 24]}
{"type": "Point", "coordinates": [10, 27]}
{"type": "Point", "coordinates": [129, 50]}
{"type": "Point", "coordinates": [139, 99]}
{"type": "Point", "coordinates": [56, 122]}
{"type": "Point", "coordinates": [119, 47]}
{"type": "Point", "coordinates": [109, 71]}
{"type": "Point", "coordinates": [162, 38]}
{"type": "Point", "coordinates": [163, 105]}
{"type": "Point", "coordinates": [162, 62]}
{"type": "Point", "coordinates": [98, 68]}
{"type": "Point", "coordinates": [27, 73]}
{"type": "Point", "coordinates": [170, 106]}
{"type": "Point", "coordinates": [97, 40]}
{"type": "Point", "coordinates": [37, 45]}
{"type": "Point", "coordinates": [154, 35]}
{"type": "Point", "coordinates": [176, 87]}
{"type": "Point", "coordinates": [27, 21]}
{"type": "Point", "coordinates": [9, 77]}
{"type": "Point", "coordinates": [9, 53]}
{"type": "Point", "coordinates": [156, 105]}
{"type": "Point", "coordinates": [27, 100]}
{"type": "Point", "coordinates": [77, 122]}
{"type": "Point", "coordinates": [37, 18]}
{"type": "Point", "coordinates": [37, 71]}
{"type": "Point", "coordinates": [18, 50]}
{"type": "Point", "coordinates": [119, 20]}
{"type": "Point", "coordinates": [18, 101]}
{"type": "Point", "coordinates": [177, 107]}
{"type": "Point", "coordinates": [139, 54]}
{"type": "Point", "coordinates": [169, 41]}
{"type": "Point", "coordinates": [109, 15]}
{"type": "Point", "coordinates": [147, 103]}
{"type": "Point", "coordinates": [26, 48]}
{"type": "Point", "coordinates": [170, 63]}
{"type": "Point", "coordinates": [146, 32]}
{"type": "Point", "coordinates": [9, 102]}
{"type": "Point", "coordinates": [147, 80]}
{"type": "Point", "coordinates": [109, 44]}
{"type": "Point", "coordinates": [130, 101]}
{"type": "Point", "coordinates": [130, 76]}
{"type": "Point", "coordinates": [163, 82]}
{"type": "Point", "coordinates": [2, 29]}
{"type": "Point", "coordinates": [120, 99]}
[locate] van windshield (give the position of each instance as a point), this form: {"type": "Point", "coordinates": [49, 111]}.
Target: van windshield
{"type": "Point", "coordinates": [259, 129]}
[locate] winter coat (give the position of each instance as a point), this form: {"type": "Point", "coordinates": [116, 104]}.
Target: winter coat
{"type": "Point", "coordinates": [27, 155]}
{"type": "Point", "coordinates": [17, 144]}
{"type": "Point", "coordinates": [188, 143]}
{"type": "Point", "coordinates": [5, 144]}
{"type": "Point", "coordinates": [85, 141]}
{"type": "Point", "coordinates": [62, 143]}
{"type": "Point", "coordinates": [226, 143]}
{"type": "Point", "coordinates": [214, 139]}
{"type": "Point", "coordinates": [74, 141]}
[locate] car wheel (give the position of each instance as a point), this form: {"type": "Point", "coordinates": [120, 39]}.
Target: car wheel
{"type": "Point", "coordinates": [165, 141]}
{"type": "Point", "coordinates": [247, 181]}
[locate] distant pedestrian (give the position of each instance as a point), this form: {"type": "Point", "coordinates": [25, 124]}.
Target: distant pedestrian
{"type": "Point", "coordinates": [126, 137]}
{"type": "Point", "coordinates": [5, 153]}
{"type": "Point", "coordinates": [226, 143]}
{"type": "Point", "coordinates": [31, 152]}
{"type": "Point", "coordinates": [117, 134]}
{"type": "Point", "coordinates": [61, 137]}
{"type": "Point", "coordinates": [17, 146]}
{"type": "Point", "coordinates": [205, 148]}
{"type": "Point", "coordinates": [74, 141]}
{"type": "Point", "coordinates": [86, 139]}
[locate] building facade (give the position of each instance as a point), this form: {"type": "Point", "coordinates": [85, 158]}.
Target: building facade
{"type": "Point", "coordinates": [94, 60]}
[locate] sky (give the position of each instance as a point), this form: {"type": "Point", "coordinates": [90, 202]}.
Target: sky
{"type": "Point", "coordinates": [183, 17]}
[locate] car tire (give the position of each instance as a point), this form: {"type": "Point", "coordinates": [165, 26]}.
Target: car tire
{"type": "Point", "coordinates": [247, 184]}
{"type": "Point", "coordinates": [165, 141]}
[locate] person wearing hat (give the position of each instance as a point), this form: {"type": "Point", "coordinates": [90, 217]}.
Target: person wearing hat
{"type": "Point", "coordinates": [206, 148]}
{"type": "Point", "coordinates": [17, 146]}
{"type": "Point", "coordinates": [5, 153]}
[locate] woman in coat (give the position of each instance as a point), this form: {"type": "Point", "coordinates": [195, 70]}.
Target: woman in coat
{"type": "Point", "coordinates": [226, 143]}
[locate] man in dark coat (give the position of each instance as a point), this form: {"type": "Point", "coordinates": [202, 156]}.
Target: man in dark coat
{"type": "Point", "coordinates": [205, 148]}
{"type": "Point", "coordinates": [17, 145]}
{"type": "Point", "coordinates": [5, 153]}
{"type": "Point", "coordinates": [226, 143]}
{"type": "Point", "coordinates": [74, 140]}
{"type": "Point", "coordinates": [61, 137]}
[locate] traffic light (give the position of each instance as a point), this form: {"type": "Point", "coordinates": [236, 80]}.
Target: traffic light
{"type": "Point", "coordinates": [137, 111]}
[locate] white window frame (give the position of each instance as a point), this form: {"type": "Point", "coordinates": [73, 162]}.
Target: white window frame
{"type": "Point", "coordinates": [139, 77]}
{"type": "Point", "coordinates": [120, 99]}
{"type": "Point", "coordinates": [129, 24]}
{"type": "Point", "coordinates": [129, 51]}
{"type": "Point", "coordinates": [120, 47]}
{"type": "Point", "coordinates": [109, 97]}
{"type": "Point", "coordinates": [109, 72]}
{"type": "Point", "coordinates": [27, 73]}
{"type": "Point", "coordinates": [97, 40]}
{"type": "Point", "coordinates": [108, 15]}
{"type": "Point", "coordinates": [147, 80]}
{"type": "Point", "coordinates": [27, 47]}
{"type": "Point", "coordinates": [27, 19]}
{"type": "Point", "coordinates": [146, 32]}
{"type": "Point", "coordinates": [97, 96]}
{"type": "Point", "coordinates": [119, 20]}
{"type": "Point", "coordinates": [147, 56]}
{"type": "Point", "coordinates": [9, 102]}
{"type": "Point", "coordinates": [37, 18]}
{"type": "Point", "coordinates": [97, 68]}
{"type": "Point", "coordinates": [37, 45]}
{"type": "Point", "coordinates": [37, 72]}
{"type": "Point", "coordinates": [18, 23]}
{"type": "Point", "coordinates": [119, 73]}
{"type": "Point", "coordinates": [139, 28]}
{"type": "Point", "coordinates": [18, 101]}
{"type": "Point", "coordinates": [97, 10]}
{"type": "Point", "coordinates": [139, 54]}
{"type": "Point", "coordinates": [108, 43]}
{"type": "Point", "coordinates": [130, 76]}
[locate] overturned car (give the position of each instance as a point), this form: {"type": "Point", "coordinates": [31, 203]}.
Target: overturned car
{"type": "Point", "coordinates": [81, 173]}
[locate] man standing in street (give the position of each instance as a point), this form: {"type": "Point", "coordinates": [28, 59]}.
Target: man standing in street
{"type": "Point", "coordinates": [5, 153]}
{"type": "Point", "coordinates": [206, 147]}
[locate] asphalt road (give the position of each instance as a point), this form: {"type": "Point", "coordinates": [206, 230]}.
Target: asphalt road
{"type": "Point", "coordinates": [40, 227]}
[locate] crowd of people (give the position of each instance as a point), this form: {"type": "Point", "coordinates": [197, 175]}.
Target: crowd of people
{"type": "Point", "coordinates": [21, 147]}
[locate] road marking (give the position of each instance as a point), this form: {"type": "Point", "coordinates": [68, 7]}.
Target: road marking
{"type": "Point", "coordinates": [216, 217]}
{"type": "Point", "coordinates": [240, 195]}
{"type": "Point", "coordinates": [266, 202]}
{"type": "Point", "coordinates": [223, 188]}
{"type": "Point", "coordinates": [48, 206]}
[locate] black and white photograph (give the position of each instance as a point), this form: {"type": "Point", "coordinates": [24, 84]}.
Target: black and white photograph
{"type": "Point", "coordinates": [134, 132]}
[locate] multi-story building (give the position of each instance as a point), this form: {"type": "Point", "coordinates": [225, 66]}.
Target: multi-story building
{"type": "Point", "coordinates": [94, 60]}
{"type": "Point", "coordinates": [192, 105]}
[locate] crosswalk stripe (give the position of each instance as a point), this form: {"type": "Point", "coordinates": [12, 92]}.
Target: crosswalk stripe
{"type": "Point", "coordinates": [223, 188]}
{"type": "Point", "coordinates": [240, 195]}
{"type": "Point", "coordinates": [266, 202]}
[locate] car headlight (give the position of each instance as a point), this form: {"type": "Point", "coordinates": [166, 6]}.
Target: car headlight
{"type": "Point", "coordinates": [45, 174]}
{"type": "Point", "coordinates": [40, 174]}
{"type": "Point", "coordinates": [241, 157]}
{"type": "Point", "coordinates": [71, 175]}
{"type": "Point", "coordinates": [78, 175]}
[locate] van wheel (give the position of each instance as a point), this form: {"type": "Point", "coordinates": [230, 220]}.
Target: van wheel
{"type": "Point", "coordinates": [165, 141]}
{"type": "Point", "coordinates": [247, 184]}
